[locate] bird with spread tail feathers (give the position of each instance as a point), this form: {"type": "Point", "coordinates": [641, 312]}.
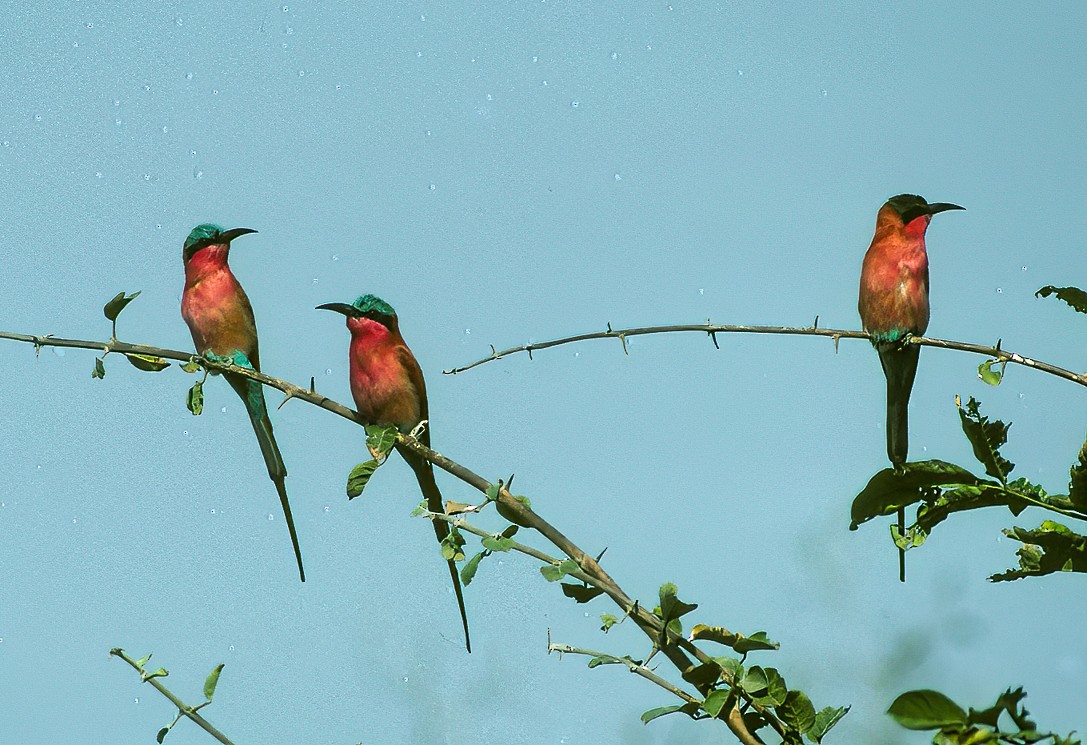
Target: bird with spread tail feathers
{"type": "Point", "coordinates": [220, 318]}
{"type": "Point", "coordinates": [894, 306]}
{"type": "Point", "coordinates": [387, 386]}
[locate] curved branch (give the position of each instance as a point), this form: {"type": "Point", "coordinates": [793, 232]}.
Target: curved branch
{"type": "Point", "coordinates": [712, 330]}
{"type": "Point", "coordinates": [676, 648]}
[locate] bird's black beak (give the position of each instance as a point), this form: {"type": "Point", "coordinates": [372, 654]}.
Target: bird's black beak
{"type": "Point", "coordinates": [348, 310]}
{"type": "Point", "coordinates": [228, 235]}
{"type": "Point", "coordinates": [943, 207]}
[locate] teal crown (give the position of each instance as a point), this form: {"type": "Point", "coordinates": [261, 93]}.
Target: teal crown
{"type": "Point", "coordinates": [373, 304]}
{"type": "Point", "coordinates": [202, 232]}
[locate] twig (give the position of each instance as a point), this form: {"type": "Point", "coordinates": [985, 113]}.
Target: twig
{"type": "Point", "coordinates": [182, 707]}
{"type": "Point", "coordinates": [675, 647]}
{"type": "Point", "coordinates": [712, 330]}
{"type": "Point", "coordinates": [633, 666]}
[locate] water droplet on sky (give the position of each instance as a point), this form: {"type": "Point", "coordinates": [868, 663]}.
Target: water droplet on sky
{"type": "Point", "coordinates": [328, 371]}
{"type": "Point", "coordinates": [136, 700]}
{"type": "Point", "coordinates": [545, 83]}
{"type": "Point", "coordinates": [999, 291]}
{"type": "Point", "coordinates": [74, 521]}
{"type": "Point", "coordinates": [215, 91]}
{"type": "Point", "coordinates": [824, 92]}
{"type": "Point", "coordinates": [147, 177]}
{"type": "Point", "coordinates": [327, 508]}
{"type": "Point", "coordinates": [301, 73]}
{"type": "Point", "coordinates": [420, 54]}
{"type": "Point", "coordinates": [433, 187]}
{"type": "Point", "coordinates": [490, 97]}
{"type": "Point", "coordinates": [98, 174]}
{"type": "Point", "coordinates": [618, 177]}
{"type": "Point", "coordinates": [577, 354]}
{"type": "Point", "coordinates": [188, 76]}
{"type": "Point", "coordinates": [314, 280]}
{"type": "Point", "coordinates": [615, 55]}
{"type": "Point", "coordinates": [535, 58]}
{"type": "Point", "coordinates": [179, 21]}
{"type": "Point", "coordinates": [213, 510]}
{"type": "Point", "coordinates": [1024, 268]}
{"type": "Point", "coordinates": [231, 647]}
{"type": "Point", "coordinates": [116, 102]}
{"type": "Point", "coordinates": [701, 291]}
{"type": "Point", "coordinates": [90, 25]}
{"type": "Point", "coordinates": [165, 130]}
{"type": "Point", "coordinates": [37, 117]}
{"type": "Point", "coordinates": [422, 18]}
{"type": "Point", "coordinates": [290, 30]}
{"type": "Point", "coordinates": [335, 257]}
{"type": "Point", "coordinates": [468, 332]}
{"type": "Point", "coordinates": [117, 121]}
{"type": "Point", "coordinates": [574, 104]}
{"type": "Point", "coordinates": [271, 517]}
{"type": "Point", "coordinates": [286, 9]}
{"type": "Point", "coordinates": [428, 133]}
{"type": "Point", "coordinates": [222, 410]}
{"type": "Point", "coordinates": [740, 73]}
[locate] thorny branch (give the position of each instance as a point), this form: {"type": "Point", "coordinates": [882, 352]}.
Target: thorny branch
{"type": "Point", "coordinates": [996, 353]}
{"type": "Point", "coordinates": [676, 648]}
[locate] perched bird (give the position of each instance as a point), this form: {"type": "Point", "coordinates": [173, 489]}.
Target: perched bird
{"type": "Point", "coordinates": [388, 388]}
{"type": "Point", "coordinates": [221, 320]}
{"type": "Point", "coordinates": [894, 305]}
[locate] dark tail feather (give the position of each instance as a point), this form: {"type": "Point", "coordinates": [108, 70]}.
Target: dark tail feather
{"type": "Point", "coordinates": [277, 469]}
{"type": "Point", "coordinates": [424, 472]}
{"type": "Point", "coordinates": [900, 367]}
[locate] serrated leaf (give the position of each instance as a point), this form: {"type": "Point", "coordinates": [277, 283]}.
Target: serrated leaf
{"type": "Point", "coordinates": [715, 701]}
{"type": "Point", "coordinates": [99, 370]}
{"type": "Point", "coordinates": [797, 711]}
{"type": "Point", "coordinates": [1050, 548]}
{"type": "Point", "coordinates": [194, 399]}
{"type": "Point", "coordinates": [888, 491]}
{"type": "Point", "coordinates": [825, 720]}
{"type": "Point", "coordinates": [147, 362]}
{"type": "Point", "coordinates": [608, 620]}
{"type": "Point", "coordinates": [360, 477]}
{"type": "Point", "coordinates": [212, 680]}
{"type": "Point", "coordinates": [988, 375]}
{"type": "Point", "coordinates": [688, 709]}
{"type": "Point", "coordinates": [468, 572]}
{"type": "Point", "coordinates": [926, 709]}
{"type": "Point", "coordinates": [581, 593]}
{"type": "Point", "coordinates": [1074, 296]}
{"type": "Point", "coordinates": [986, 437]}
{"type": "Point", "coordinates": [1077, 483]}
{"type": "Point", "coordinates": [162, 735]}
{"type": "Point", "coordinates": [113, 308]}
{"type": "Point", "coordinates": [191, 366]}
{"type": "Point", "coordinates": [380, 439]}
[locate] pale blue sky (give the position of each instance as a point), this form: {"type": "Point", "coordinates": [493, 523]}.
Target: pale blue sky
{"type": "Point", "coordinates": [503, 173]}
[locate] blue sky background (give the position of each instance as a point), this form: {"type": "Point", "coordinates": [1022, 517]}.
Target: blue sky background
{"type": "Point", "coordinates": [506, 172]}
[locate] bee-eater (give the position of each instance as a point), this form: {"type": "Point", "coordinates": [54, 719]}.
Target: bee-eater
{"type": "Point", "coordinates": [894, 305]}
{"type": "Point", "coordinates": [219, 315]}
{"type": "Point", "coordinates": [388, 388]}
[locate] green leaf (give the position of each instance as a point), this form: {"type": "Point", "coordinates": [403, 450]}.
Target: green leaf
{"type": "Point", "coordinates": [732, 669]}
{"type": "Point", "coordinates": [99, 369]}
{"type": "Point", "coordinates": [194, 399]}
{"type": "Point", "coordinates": [420, 509]}
{"type": "Point", "coordinates": [797, 711]}
{"type": "Point", "coordinates": [704, 675]}
{"type": "Point", "coordinates": [160, 673]}
{"type": "Point", "coordinates": [1074, 296]}
{"type": "Point", "coordinates": [360, 477]}
{"type": "Point", "coordinates": [453, 546]}
{"type": "Point", "coordinates": [1007, 702]}
{"type": "Point", "coordinates": [986, 437]}
{"type": "Point", "coordinates": [468, 572]}
{"type": "Point", "coordinates": [555, 572]}
{"type": "Point", "coordinates": [888, 491]}
{"type": "Point", "coordinates": [212, 680]}
{"type": "Point", "coordinates": [492, 492]}
{"type": "Point", "coordinates": [113, 308]}
{"type": "Point", "coordinates": [147, 362]}
{"type": "Point", "coordinates": [739, 642]}
{"type": "Point", "coordinates": [766, 686]}
{"type": "Point", "coordinates": [715, 701]}
{"type": "Point", "coordinates": [498, 542]}
{"type": "Point", "coordinates": [581, 593]}
{"type": "Point", "coordinates": [1077, 484]}
{"type": "Point", "coordinates": [825, 720]}
{"type": "Point", "coordinates": [688, 709]}
{"type": "Point", "coordinates": [162, 735]}
{"type": "Point", "coordinates": [672, 607]}
{"type": "Point", "coordinates": [191, 366]}
{"type": "Point", "coordinates": [142, 661]}
{"type": "Point", "coordinates": [926, 709]}
{"type": "Point", "coordinates": [988, 375]}
{"type": "Point", "coordinates": [1050, 548]}
{"type": "Point", "coordinates": [608, 620]}
{"type": "Point", "coordinates": [380, 439]}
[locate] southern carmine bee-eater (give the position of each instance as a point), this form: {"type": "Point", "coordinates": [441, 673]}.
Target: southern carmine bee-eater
{"type": "Point", "coordinates": [388, 388]}
{"type": "Point", "coordinates": [221, 320]}
{"type": "Point", "coordinates": [894, 306]}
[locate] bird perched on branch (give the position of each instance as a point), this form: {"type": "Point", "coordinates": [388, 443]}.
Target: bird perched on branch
{"type": "Point", "coordinates": [388, 388]}
{"type": "Point", "coordinates": [220, 318]}
{"type": "Point", "coordinates": [894, 306]}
